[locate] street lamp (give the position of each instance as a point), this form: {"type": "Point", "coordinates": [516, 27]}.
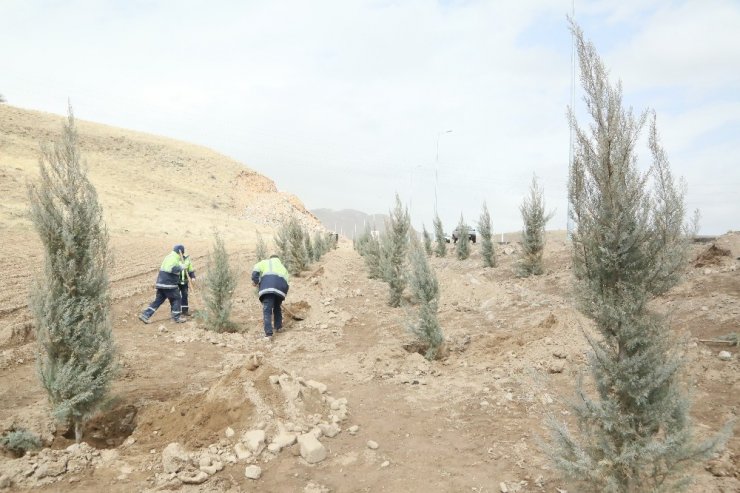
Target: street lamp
{"type": "Point", "coordinates": [436, 169]}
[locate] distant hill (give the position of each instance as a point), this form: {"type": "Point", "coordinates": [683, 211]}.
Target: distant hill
{"type": "Point", "coordinates": [347, 221]}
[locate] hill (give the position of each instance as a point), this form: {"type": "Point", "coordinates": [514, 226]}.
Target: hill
{"type": "Point", "coordinates": [348, 221]}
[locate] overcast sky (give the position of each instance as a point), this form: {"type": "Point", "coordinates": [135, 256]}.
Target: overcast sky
{"type": "Point", "coordinates": [343, 102]}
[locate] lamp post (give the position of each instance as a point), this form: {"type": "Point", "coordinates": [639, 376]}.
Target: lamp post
{"type": "Point", "coordinates": [436, 169]}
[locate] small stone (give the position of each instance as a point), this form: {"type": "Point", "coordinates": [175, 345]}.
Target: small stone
{"type": "Point", "coordinates": [484, 403]}
{"type": "Point", "coordinates": [371, 444]}
{"type": "Point", "coordinates": [353, 429]}
{"type": "Point", "coordinates": [556, 367]}
{"type": "Point", "coordinates": [254, 440]}
{"type": "Point", "coordinates": [385, 464]}
{"type": "Point", "coordinates": [212, 468]}
{"type": "Point", "coordinates": [162, 329]}
{"type": "Point", "coordinates": [316, 385]}
{"type": "Point", "coordinates": [204, 461]}
{"type": "Point", "coordinates": [229, 432]}
{"type": "Point", "coordinates": [312, 450]}
{"type": "Point", "coordinates": [174, 457]}
{"type": "Point", "coordinates": [330, 430]}
{"type": "Point", "coordinates": [253, 472]}
{"type": "Point", "coordinates": [241, 451]}
{"type": "Point", "coordinates": [129, 441]}
{"type": "Point", "coordinates": [274, 379]}
{"type": "Point", "coordinates": [192, 477]}
{"type": "Point", "coordinates": [503, 488]}
{"type": "Point", "coordinates": [725, 355]}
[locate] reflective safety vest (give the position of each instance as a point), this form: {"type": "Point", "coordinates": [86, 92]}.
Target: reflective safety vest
{"type": "Point", "coordinates": [272, 277]}
{"type": "Point", "coordinates": [169, 272]}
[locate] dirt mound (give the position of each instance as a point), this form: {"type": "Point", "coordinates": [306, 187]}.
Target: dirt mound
{"type": "Point", "coordinates": [712, 255]}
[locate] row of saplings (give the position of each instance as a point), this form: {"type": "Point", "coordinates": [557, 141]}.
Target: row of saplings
{"type": "Point", "coordinates": [71, 300]}
{"type": "Point", "coordinates": [630, 245]}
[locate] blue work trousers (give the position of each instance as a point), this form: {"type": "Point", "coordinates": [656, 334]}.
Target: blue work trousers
{"type": "Point", "coordinates": [271, 307]}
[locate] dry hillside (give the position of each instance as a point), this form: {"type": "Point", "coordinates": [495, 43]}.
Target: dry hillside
{"type": "Point", "coordinates": [155, 192]}
{"type": "Point", "coordinates": [197, 411]}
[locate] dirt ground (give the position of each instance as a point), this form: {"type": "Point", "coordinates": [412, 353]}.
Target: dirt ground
{"type": "Point", "coordinates": [472, 421]}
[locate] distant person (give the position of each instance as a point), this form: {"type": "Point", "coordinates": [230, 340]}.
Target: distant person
{"type": "Point", "coordinates": [187, 276]}
{"type": "Point", "coordinates": [167, 285]}
{"type": "Point", "coordinates": [272, 278]}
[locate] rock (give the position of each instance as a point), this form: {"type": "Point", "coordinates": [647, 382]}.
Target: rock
{"type": "Point", "coordinates": [316, 385]}
{"type": "Point", "coordinates": [503, 488]}
{"type": "Point", "coordinates": [330, 430]}
{"type": "Point", "coordinates": [212, 468]}
{"type": "Point", "coordinates": [253, 472]}
{"type": "Point", "coordinates": [4, 482]}
{"type": "Point", "coordinates": [274, 379]}
{"type": "Point", "coordinates": [283, 440]}
{"type": "Point", "coordinates": [129, 441]}
{"type": "Point", "coordinates": [174, 457]}
{"type": "Point", "coordinates": [254, 361]}
{"type": "Point", "coordinates": [385, 464]}
{"type": "Point", "coordinates": [254, 440]}
{"type": "Point", "coordinates": [312, 450]}
{"type": "Point", "coordinates": [353, 429]}
{"type": "Point", "coordinates": [560, 354]}
{"type": "Point", "coordinates": [556, 366]}
{"type": "Point", "coordinates": [725, 355]}
{"type": "Point", "coordinates": [162, 329]}
{"type": "Point", "coordinates": [315, 488]}
{"type": "Point", "coordinates": [52, 468]}
{"type": "Point", "coordinates": [241, 451]}
{"type": "Point", "coordinates": [192, 477]}
{"type": "Point", "coordinates": [273, 448]}
{"type": "Point", "coordinates": [371, 444]}
{"type": "Point", "coordinates": [229, 432]}
{"type": "Point", "coordinates": [109, 455]}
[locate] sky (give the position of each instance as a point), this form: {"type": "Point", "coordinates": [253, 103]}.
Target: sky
{"type": "Point", "coordinates": [345, 103]}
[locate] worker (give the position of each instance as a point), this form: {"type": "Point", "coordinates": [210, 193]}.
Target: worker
{"type": "Point", "coordinates": [187, 276]}
{"type": "Point", "coordinates": [167, 286]}
{"type": "Point", "coordinates": [272, 278]}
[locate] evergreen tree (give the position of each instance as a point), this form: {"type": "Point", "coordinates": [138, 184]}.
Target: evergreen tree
{"type": "Point", "coordinates": [260, 250]}
{"type": "Point", "coordinates": [309, 248]}
{"type": "Point", "coordinates": [296, 248]}
{"type": "Point", "coordinates": [71, 300]}
{"type": "Point", "coordinates": [425, 290]}
{"type": "Point", "coordinates": [394, 262]}
{"type": "Point", "coordinates": [485, 230]}
{"type": "Point", "coordinates": [533, 233]}
{"type": "Point", "coordinates": [440, 249]}
{"type": "Point", "coordinates": [372, 253]}
{"type": "Point", "coordinates": [281, 240]}
{"type": "Point", "coordinates": [628, 248]}
{"type": "Point", "coordinates": [427, 240]}
{"type": "Point", "coordinates": [319, 245]}
{"type": "Point", "coordinates": [462, 247]}
{"type": "Point", "coordinates": [220, 284]}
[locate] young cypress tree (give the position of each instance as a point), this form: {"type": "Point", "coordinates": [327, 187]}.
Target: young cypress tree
{"type": "Point", "coordinates": [397, 231]}
{"type": "Point", "coordinates": [295, 255]}
{"type": "Point", "coordinates": [425, 290]}
{"type": "Point", "coordinates": [220, 284]}
{"type": "Point", "coordinates": [260, 250]}
{"type": "Point", "coordinates": [462, 247]}
{"type": "Point", "coordinates": [628, 248]}
{"type": "Point", "coordinates": [71, 300]}
{"type": "Point", "coordinates": [427, 240]}
{"type": "Point", "coordinates": [309, 248]}
{"type": "Point", "coordinates": [372, 253]}
{"type": "Point", "coordinates": [282, 246]}
{"type": "Point", "coordinates": [533, 233]}
{"type": "Point", "coordinates": [485, 230]}
{"type": "Point", "coordinates": [319, 246]}
{"type": "Point", "coordinates": [440, 249]}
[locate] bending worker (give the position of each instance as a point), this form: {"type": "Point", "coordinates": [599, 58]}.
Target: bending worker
{"type": "Point", "coordinates": [168, 285]}
{"type": "Point", "coordinates": [272, 278]}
